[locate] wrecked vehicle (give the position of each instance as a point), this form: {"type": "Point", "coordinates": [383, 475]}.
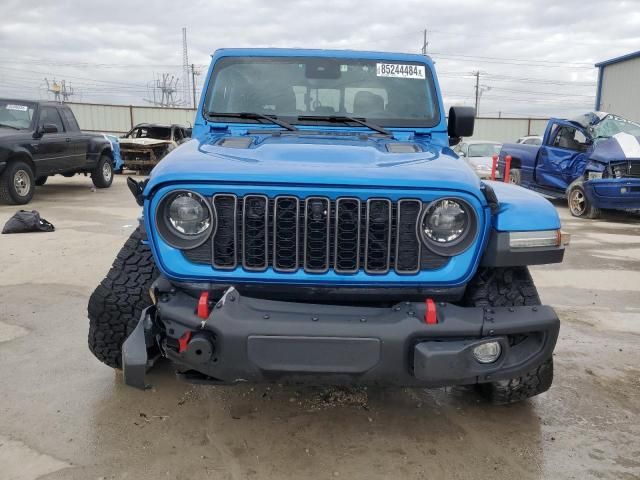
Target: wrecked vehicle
{"type": "Point", "coordinates": [40, 139]}
{"type": "Point", "coordinates": [593, 161]}
{"type": "Point", "coordinates": [147, 143]}
{"type": "Point", "coordinates": [320, 229]}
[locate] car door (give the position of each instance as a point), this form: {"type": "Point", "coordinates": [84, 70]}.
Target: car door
{"type": "Point", "coordinates": [78, 142]}
{"type": "Point", "coordinates": [558, 159]}
{"type": "Point", "coordinates": [52, 149]}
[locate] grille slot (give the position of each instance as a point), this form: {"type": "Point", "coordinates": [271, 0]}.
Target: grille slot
{"type": "Point", "coordinates": [255, 242]}
{"type": "Point", "coordinates": [378, 236]}
{"type": "Point", "coordinates": [408, 247]}
{"type": "Point", "coordinates": [225, 245]}
{"type": "Point", "coordinates": [286, 222]}
{"type": "Point", "coordinates": [316, 234]}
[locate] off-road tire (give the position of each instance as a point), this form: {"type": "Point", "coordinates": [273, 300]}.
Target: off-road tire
{"type": "Point", "coordinates": [515, 176]}
{"type": "Point", "coordinates": [509, 287]}
{"type": "Point", "coordinates": [41, 180]}
{"type": "Point", "coordinates": [102, 175]}
{"type": "Point", "coordinates": [9, 194]}
{"type": "Point", "coordinates": [117, 303]}
{"type": "Point", "coordinates": [578, 202]}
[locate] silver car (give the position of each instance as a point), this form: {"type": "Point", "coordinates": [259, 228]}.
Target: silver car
{"type": "Point", "coordinates": [479, 155]}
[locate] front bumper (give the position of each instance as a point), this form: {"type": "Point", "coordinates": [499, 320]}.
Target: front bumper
{"type": "Point", "coordinates": [245, 339]}
{"type": "Point", "coordinates": [618, 194]}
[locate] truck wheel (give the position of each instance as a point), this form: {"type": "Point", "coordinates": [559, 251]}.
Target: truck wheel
{"type": "Point", "coordinates": [515, 176]}
{"type": "Point", "coordinates": [17, 184]}
{"type": "Point", "coordinates": [509, 287]}
{"type": "Point", "coordinates": [579, 204]}
{"type": "Point", "coordinates": [102, 175]}
{"type": "Point", "coordinates": [41, 180]}
{"type": "Point", "coordinates": [116, 304]}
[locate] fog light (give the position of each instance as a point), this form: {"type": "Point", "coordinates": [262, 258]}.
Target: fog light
{"type": "Point", "coordinates": [623, 190]}
{"type": "Point", "coordinates": [487, 352]}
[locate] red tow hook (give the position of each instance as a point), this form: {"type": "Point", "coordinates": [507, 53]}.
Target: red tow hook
{"type": "Point", "coordinates": [430, 317]}
{"type": "Point", "coordinates": [203, 305]}
{"type": "Point", "coordinates": [183, 341]}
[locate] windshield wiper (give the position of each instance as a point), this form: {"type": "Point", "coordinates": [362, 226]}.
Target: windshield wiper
{"type": "Point", "coordinates": [346, 119]}
{"type": "Point", "coordinates": [254, 116]}
{"type": "Point", "coordinates": [8, 126]}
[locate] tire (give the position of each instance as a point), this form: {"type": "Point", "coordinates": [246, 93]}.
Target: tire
{"type": "Point", "coordinates": [579, 204]}
{"type": "Point", "coordinates": [17, 184]}
{"type": "Point", "coordinates": [102, 175]}
{"type": "Point", "coordinates": [41, 180]}
{"type": "Point", "coordinates": [509, 287]}
{"type": "Point", "coordinates": [116, 304]}
{"type": "Point", "coordinates": [515, 176]}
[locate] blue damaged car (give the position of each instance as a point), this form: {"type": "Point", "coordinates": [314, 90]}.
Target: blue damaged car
{"type": "Point", "coordinates": [593, 161]}
{"type": "Point", "coordinates": [319, 228]}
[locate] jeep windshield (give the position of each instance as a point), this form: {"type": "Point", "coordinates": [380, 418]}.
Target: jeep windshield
{"type": "Point", "coordinates": [331, 91]}
{"type": "Point", "coordinates": [15, 114]}
{"type": "Point", "coordinates": [612, 125]}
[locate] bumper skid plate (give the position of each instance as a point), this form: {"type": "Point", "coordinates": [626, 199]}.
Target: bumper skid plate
{"type": "Point", "coordinates": [256, 340]}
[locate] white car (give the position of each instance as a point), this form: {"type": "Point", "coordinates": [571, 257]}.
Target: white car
{"type": "Point", "coordinates": [530, 140]}
{"type": "Point", "coordinates": [479, 155]}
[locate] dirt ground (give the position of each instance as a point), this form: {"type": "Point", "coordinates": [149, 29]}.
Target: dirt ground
{"type": "Point", "coordinates": [64, 415]}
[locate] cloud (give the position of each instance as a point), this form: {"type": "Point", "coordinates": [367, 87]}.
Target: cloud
{"type": "Point", "coordinates": [535, 58]}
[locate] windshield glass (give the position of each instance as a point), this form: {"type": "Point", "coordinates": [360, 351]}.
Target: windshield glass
{"type": "Point", "coordinates": [484, 149]}
{"type": "Point", "coordinates": [387, 93]}
{"type": "Point", "coordinates": [612, 124]}
{"type": "Point", "coordinates": [158, 133]}
{"type": "Point", "coordinates": [15, 114]}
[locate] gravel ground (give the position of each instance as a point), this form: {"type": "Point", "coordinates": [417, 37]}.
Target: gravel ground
{"type": "Point", "coordinates": [64, 415]}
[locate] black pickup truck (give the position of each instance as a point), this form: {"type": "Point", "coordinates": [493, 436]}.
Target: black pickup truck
{"type": "Point", "coordinates": [40, 139]}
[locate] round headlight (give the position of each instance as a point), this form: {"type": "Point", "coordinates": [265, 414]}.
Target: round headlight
{"type": "Point", "coordinates": [447, 226]}
{"type": "Point", "coordinates": [189, 214]}
{"type": "Point", "coordinates": [185, 219]}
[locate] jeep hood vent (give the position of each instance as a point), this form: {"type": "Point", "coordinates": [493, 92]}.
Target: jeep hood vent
{"type": "Point", "coordinates": [403, 147]}
{"type": "Point", "coordinates": [236, 142]}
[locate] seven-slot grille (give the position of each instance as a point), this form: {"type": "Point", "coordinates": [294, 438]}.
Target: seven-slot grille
{"type": "Point", "coordinates": [316, 234]}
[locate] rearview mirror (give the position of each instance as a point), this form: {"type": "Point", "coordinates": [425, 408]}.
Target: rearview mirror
{"type": "Point", "coordinates": [49, 128]}
{"type": "Point", "coordinates": [461, 120]}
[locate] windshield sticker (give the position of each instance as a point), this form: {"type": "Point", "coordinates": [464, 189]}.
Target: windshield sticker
{"type": "Point", "coordinates": [396, 70]}
{"type": "Point", "coordinates": [19, 108]}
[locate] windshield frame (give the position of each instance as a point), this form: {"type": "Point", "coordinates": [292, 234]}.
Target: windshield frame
{"type": "Point", "coordinates": [430, 82]}
{"type": "Point", "coordinates": [28, 104]}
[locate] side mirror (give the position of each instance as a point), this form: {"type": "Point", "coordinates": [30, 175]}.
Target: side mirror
{"type": "Point", "coordinates": [49, 128]}
{"type": "Point", "coordinates": [461, 154]}
{"type": "Point", "coordinates": [461, 120]}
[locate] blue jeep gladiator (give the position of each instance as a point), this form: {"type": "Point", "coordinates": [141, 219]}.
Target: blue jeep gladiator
{"type": "Point", "coordinates": [319, 228]}
{"type": "Point", "coordinates": [593, 161]}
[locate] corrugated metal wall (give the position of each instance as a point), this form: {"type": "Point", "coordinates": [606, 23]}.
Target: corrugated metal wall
{"type": "Point", "coordinates": [121, 118]}
{"type": "Point", "coordinates": [620, 92]}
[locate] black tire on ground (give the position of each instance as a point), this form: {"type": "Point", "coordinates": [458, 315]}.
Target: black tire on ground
{"type": "Point", "coordinates": [509, 287]}
{"type": "Point", "coordinates": [41, 180]}
{"type": "Point", "coordinates": [515, 176]}
{"type": "Point", "coordinates": [117, 303]}
{"type": "Point", "coordinates": [579, 204]}
{"type": "Point", "coordinates": [102, 175]}
{"type": "Point", "coordinates": [17, 184]}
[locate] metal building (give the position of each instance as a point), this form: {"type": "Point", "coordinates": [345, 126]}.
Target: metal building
{"type": "Point", "coordinates": [619, 86]}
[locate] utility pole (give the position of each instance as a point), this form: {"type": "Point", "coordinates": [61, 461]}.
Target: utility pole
{"type": "Point", "coordinates": [185, 68]}
{"type": "Point", "coordinates": [425, 43]}
{"type": "Point", "coordinates": [193, 82]}
{"type": "Point", "coordinates": [477, 74]}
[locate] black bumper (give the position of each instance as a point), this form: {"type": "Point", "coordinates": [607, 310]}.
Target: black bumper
{"type": "Point", "coordinates": [255, 340]}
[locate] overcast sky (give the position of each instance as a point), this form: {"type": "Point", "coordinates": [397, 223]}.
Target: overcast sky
{"type": "Point", "coordinates": [535, 57]}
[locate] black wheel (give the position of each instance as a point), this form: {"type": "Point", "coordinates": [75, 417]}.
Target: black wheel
{"type": "Point", "coordinates": [579, 204]}
{"type": "Point", "coordinates": [515, 176]}
{"type": "Point", "coordinates": [117, 303]}
{"type": "Point", "coordinates": [102, 175]}
{"type": "Point", "coordinates": [41, 180]}
{"type": "Point", "coordinates": [17, 184]}
{"type": "Point", "coordinates": [509, 287]}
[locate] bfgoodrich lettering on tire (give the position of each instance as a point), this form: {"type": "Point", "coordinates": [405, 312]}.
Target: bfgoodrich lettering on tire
{"type": "Point", "coordinates": [509, 287]}
{"type": "Point", "coordinates": [117, 303]}
{"type": "Point", "coordinates": [17, 184]}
